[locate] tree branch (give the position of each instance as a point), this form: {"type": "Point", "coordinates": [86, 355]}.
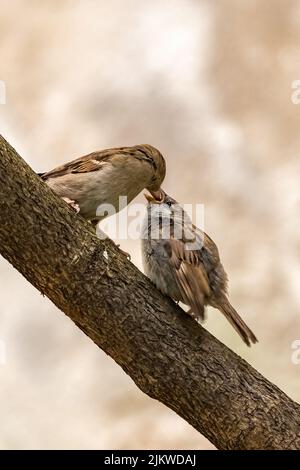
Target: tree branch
{"type": "Point", "coordinates": [165, 352]}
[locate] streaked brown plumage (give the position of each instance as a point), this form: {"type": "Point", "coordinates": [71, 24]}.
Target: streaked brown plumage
{"type": "Point", "coordinates": [101, 177]}
{"type": "Point", "coordinates": [186, 268]}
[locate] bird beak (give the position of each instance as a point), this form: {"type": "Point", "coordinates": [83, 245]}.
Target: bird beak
{"type": "Point", "coordinates": [150, 199]}
{"type": "Point", "coordinates": [155, 197]}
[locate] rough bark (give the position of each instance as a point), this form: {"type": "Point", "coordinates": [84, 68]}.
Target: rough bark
{"type": "Point", "coordinates": [164, 351]}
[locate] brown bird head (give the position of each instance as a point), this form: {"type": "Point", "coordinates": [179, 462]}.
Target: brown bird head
{"type": "Point", "coordinates": [154, 158]}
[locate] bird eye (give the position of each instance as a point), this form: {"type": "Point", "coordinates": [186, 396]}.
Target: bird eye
{"type": "Point", "coordinates": [169, 203]}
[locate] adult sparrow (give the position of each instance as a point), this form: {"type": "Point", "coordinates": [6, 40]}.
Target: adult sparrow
{"type": "Point", "coordinates": [102, 177]}
{"type": "Point", "coordinates": [183, 262]}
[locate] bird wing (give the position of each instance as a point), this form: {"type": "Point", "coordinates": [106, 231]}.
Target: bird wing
{"type": "Point", "coordinates": [190, 275]}
{"type": "Point", "coordinates": [92, 162]}
{"type": "Point", "coordinates": [96, 160]}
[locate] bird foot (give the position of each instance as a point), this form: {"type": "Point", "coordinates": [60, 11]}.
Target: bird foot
{"type": "Point", "coordinates": [72, 204]}
{"type": "Point", "coordinates": [199, 319]}
{"type": "Point", "coordinates": [128, 256]}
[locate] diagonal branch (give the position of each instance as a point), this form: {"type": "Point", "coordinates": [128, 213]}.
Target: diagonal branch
{"type": "Point", "coordinates": [166, 353]}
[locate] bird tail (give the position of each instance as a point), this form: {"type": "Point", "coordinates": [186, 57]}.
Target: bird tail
{"type": "Point", "coordinates": [236, 321]}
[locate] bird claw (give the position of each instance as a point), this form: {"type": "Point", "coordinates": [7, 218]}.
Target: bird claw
{"type": "Point", "coordinates": [128, 256]}
{"type": "Point", "coordinates": [197, 318]}
{"type": "Point", "coordinates": [72, 204]}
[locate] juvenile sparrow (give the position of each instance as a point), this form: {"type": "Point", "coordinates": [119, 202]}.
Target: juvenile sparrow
{"type": "Point", "coordinates": [183, 262]}
{"type": "Point", "coordinates": [101, 177]}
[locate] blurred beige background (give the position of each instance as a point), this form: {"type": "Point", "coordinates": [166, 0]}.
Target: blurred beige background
{"type": "Point", "coordinates": [209, 84]}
